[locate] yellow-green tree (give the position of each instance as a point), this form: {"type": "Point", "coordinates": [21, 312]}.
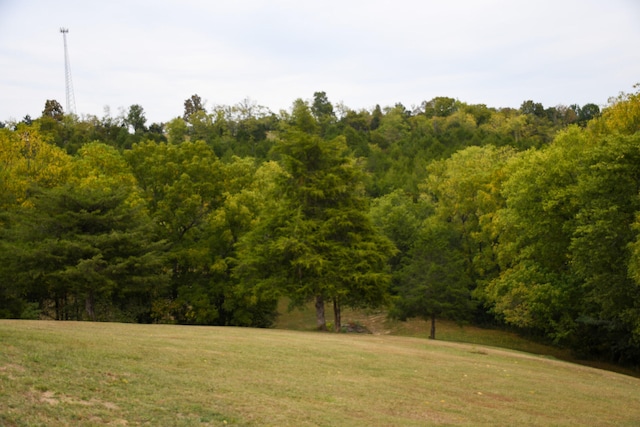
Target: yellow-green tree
{"type": "Point", "coordinates": [28, 160]}
{"type": "Point", "coordinates": [534, 233]}
{"type": "Point", "coordinates": [621, 116]}
{"type": "Point", "coordinates": [466, 192]}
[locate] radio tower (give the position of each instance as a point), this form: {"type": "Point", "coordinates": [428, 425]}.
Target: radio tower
{"type": "Point", "coordinates": [71, 99]}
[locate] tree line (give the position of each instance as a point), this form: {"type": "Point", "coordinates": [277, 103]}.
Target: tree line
{"type": "Point", "coordinates": [524, 217]}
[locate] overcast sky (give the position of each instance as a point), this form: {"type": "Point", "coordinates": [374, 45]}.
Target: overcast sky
{"type": "Point", "coordinates": [158, 53]}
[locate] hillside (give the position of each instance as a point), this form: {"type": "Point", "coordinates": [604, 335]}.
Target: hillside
{"type": "Point", "coordinates": [84, 374]}
{"type": "Point", "coordinates": [378, 322]}
{"type": "Point", "coordinates": [524, 217]}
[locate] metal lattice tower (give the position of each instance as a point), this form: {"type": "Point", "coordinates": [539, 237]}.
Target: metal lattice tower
{"type": "Point", "coordinates": [71, 99]}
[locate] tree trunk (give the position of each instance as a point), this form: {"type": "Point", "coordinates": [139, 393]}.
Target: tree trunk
{"type": "Point", "coordinates": [432, 334]}
{"type": "Point", "coordinates": [58, 304]}
{"type": "Point", "coordinates": [320, 319]}
{"type": "Point", "coordinates": [337, 316]}
{"type": "Point", "coordinates": [89, 304]}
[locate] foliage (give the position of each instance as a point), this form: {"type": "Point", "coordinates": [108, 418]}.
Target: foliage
{"type": "Point", "coordinates": [567, 240]}
{"type": "Point", "coordinates": [201, 207]}
{"type": "Point", "coordinates": [434, 282]}
{"type": "Point", "coordinates": [27, 160]}
{"type": "Point", "coordinates": [534, 236]}
{"type": "Point", "coordinates": [466, 192]}
{"type": "Point", "coordinates": [529, 214]}
{"type": "Point", "coordinates": [400, 218]}
{"type": "Point", "coordinates": [85, 252]}
{"type": "Point", "coordinates": [136, 119]}
{"type": "Point", "coordinates": [621, 116]}
{"type": "Point", "coordinates": [53, 110]}
{"type": "Point", "coordinates": [316, 240]}
{"type": "Point", "coordinates": [191, 106]}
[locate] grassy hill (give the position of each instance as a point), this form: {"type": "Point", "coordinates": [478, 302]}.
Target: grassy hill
{"type": "Point", "coordinates": [86, 374]}
{"type": "Point", "coordinates": [377, 322]}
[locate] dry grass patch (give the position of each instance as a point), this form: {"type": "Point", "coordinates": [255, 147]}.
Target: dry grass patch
{"type": "Point", "coordinates": [378, 323]}
{"type": "Point", "coordinates": [84, 374]}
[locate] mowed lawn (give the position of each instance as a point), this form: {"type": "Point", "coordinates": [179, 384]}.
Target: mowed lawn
{"type": "Point", "coordinates": [98, 374]}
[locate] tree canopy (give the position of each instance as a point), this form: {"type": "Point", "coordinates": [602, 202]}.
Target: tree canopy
{"type": "Point", "coordinates": [317, 242]}
{"type": "Point", "coordinates": [524, 217]}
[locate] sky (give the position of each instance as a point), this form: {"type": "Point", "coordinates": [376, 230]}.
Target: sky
{"type": "Point", "coordinates": [157, 53]}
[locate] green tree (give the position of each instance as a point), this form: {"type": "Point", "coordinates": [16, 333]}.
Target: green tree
{"type": "Point", "coordinates": [251, 126]}
{"type": "Point", "coordinates": [201, 206]}
{"type": "Point", "coordinates": [136, 118]}
{"type": "Point", "coordinates": [53, 110]}
{"type": "Point", "coordinates": [601, 249]}
{"type": "Point", "coordinates": [587, 113]}
{"type": "Point", "coordinates": [84, 250]}
{"type": "Point", "coordinates": [466, 192]}
{"type": "Point", "coordinates": [376, 117]}
{"type": "Point", "coordinates": [322, 110]}
{"type": "Point", "coordinates": [535, 288]}
{"type": "Point", "coordinates": [182, 186]}
{"type": "Point", "coordinates": [434, 282]}
{"type": "Point", "coordinates": [86, 245]}
{"type": "Point", "coordinates": [315, 241]}
{"type": "Point", "coordinates": [567, 242]}
{"type": "Point", "coordinates": [192, 105]}
{"type": "Point", "coordinates": [177, 130]}
{"type": "Point", "coordinates": [302, 118]}
{"type": "Point", "coordinates": [440, 106]}
{"type": "Point", "coordinates": [532, 108]}
{"type": "Point", "coordinates": [400, 218]}
{"type": "Point", "coordinates": [321, 107]}
{"type": "Point", "coordinates": [393, 128]}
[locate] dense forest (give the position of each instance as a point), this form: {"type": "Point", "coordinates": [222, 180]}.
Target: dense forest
{"type": "Point", "coordinates": [527, 218]}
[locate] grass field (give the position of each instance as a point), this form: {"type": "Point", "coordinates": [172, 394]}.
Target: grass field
{"type": "Point", "coordinates": [86, 374]}
{"type": "Point", "coordinates": [377, 322]}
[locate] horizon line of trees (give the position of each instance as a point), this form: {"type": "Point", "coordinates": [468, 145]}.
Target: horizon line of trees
{"type": "Point", "coordinates": [527, 217]}
{"type": "Point", "coordinates": [133, 118]}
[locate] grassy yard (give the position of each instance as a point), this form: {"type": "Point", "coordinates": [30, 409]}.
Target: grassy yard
{"type": "Point", "coordinates": [86, 374]}
{"type": "Point", "coordinates": [377, 322]}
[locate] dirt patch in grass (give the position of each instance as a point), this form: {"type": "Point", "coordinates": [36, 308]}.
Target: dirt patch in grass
{"type": "Point", "coordinates": [11, 370]}
{"type": "Point", "coordinates": [53, 398]}
{"type": "Point", "coordinates": [11, 367]}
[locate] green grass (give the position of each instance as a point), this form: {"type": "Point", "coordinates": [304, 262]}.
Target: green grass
{"type": "Point", "coordinates": [378, 323]}
{"type": "Point", "coordinates": [86, 374]}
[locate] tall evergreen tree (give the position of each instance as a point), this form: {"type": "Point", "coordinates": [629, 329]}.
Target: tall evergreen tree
{"type": "Point", "coordinates": [85, 252]}
{"type": "Point", "coordinates": [316, 241]}
{"type": "Point", "coordinates": [434, 282]}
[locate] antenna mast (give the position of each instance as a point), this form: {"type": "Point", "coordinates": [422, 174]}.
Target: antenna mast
{"type": "Point", "coordinates": [71, 100]}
